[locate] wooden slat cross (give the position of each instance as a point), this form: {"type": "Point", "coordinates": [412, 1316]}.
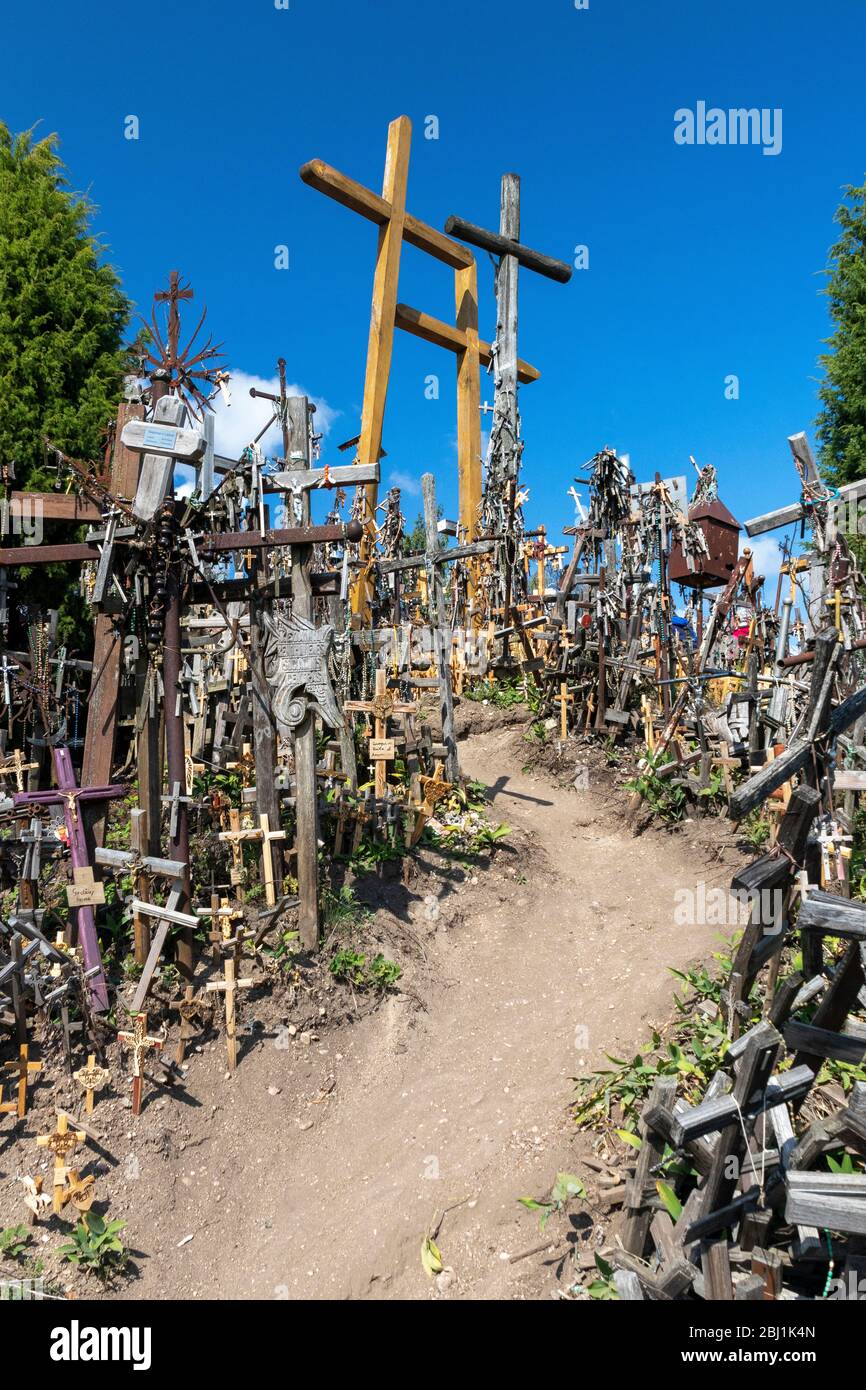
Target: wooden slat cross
{"type": "Point", "coordinates": [24, 1068]}
{"type": "Point", "coordinates": [229, 986]}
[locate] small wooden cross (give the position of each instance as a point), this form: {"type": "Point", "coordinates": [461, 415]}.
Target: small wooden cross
{"type": "Point", "coordinates": [229, 987]}
{"type": "Point", "coordinates": [192, 1008]}
{"type": "Point", "coordinates": [433, 790]}
{"type": "Point", "coordinates": [235, 837]}
{"type": "Point", "coordinates": [77, 1190]}
{"type": "Point", "coordinates": [23, 1068]}
{"type": "Point", "coordinates": [141, 1044]}
{"type": "Point", "coordinates": [268, 858]}
{"type": "Point", "coordinates": [16, 767]}
{"type": "Point", "coordinates": [173, 802]}
{"type": "Point", "coordinates": [383, 706]}
{"type": "Point", "coordinates": [92, 1078]}
{"type": "Point", "coordinates": [62, 1143]}
{"type": "Point", "coordinates": [7, 1107]}
{"type": "Point", "coordinates": [563, 699]}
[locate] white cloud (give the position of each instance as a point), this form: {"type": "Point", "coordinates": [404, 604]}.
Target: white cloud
{"type": "Point", "coordinates": [237, 425]}
{"type": "Point", "coordinates": [767, 560]}
{"type": "Point", "coordinates": [404, 481]}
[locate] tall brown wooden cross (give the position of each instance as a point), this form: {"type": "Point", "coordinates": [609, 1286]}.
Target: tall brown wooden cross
{"type": "Point", "coordinates": [397, 225]}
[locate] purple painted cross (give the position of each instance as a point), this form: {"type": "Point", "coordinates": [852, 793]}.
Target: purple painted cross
{"type": "Point", "coordinates": [69, 794]}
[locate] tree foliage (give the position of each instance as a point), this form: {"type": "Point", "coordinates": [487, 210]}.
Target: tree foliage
{"type": "Point", "coordinates": [842, 422]}
{"type": "Point", "coordinates": [62, 318]}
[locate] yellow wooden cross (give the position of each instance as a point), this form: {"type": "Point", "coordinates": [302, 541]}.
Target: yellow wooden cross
{"type": "Point", "coordinates": [228, 986]}
{"type": "Point", "coordinates": [91, 1078]}
{"type": "Point", "coordinates": [563, 699]}
{"type": "Point", "coordinates": [62, 1143]}
{"type": "Point", "coordinates": [268, 858]}
{"type": "Point", "coordinates": [433, 790]}
{"type": "Point", "coordinates": [23, 1068]}
{"type": "Point", "coordinates": [396, 225]}
{"type": "Point", "coordinates": [16, 767]}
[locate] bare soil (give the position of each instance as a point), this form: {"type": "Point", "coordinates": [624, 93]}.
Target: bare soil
{"type": "Point", "coordinates": [315, 1170]}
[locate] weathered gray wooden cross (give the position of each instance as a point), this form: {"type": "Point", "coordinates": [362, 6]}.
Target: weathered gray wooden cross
{"type": "Point", "coordinates": [505, 429]}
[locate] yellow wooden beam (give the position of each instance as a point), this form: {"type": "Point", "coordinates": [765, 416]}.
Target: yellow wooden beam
{"type": "Point", "coordinates": [381, 340]}
{"type": "Point", "coordinates": [468, 401]}
{"type": "Point", "coordinates": [446, 335]}
{"type": "Point", "coordinates": [323, 177]}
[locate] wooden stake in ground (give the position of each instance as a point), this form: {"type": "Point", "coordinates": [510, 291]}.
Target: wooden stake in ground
{"type": "Point", "coordinates": [441, 628]}
{"type": "Point", "coordinates": [229, 986]}
{"type": "Point", "coordinates": [91, 1078]}
{"type": "Point", "coordinates": [24, 1068]}
{"type": "Point", "coordinates": [62, 1143]}
{"type": "Point", "coordinates": [140, 1044]}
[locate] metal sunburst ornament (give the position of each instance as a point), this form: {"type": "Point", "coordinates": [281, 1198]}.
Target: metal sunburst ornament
{"type": "Point", "coordinates": [186, 368]}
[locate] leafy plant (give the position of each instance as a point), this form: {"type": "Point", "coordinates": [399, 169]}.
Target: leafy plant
{"type": "Point", "coordinates": [845, 1164]}
{"type": "Point", "coordinates": [96, 1246]}
{"type": "Point", "coordinates": [488, 837]}
{"type": "Point", "coordinates": [342, 909]}
{"type": "Point", "coordinates": [693, 1051]}
{"type": "Point", "coordinates": [564, 1189]}
{"type": "Point", "coordinates": [755, 829]}
{"type": "Point", "coordinates": [14, 1241]}
{"type": "Point", "coordinates": [663, 797]}
{"type": "Point", "coordinates": [384, 973]}
{"type": "Point", "coordinates": [349, 965]}
{"type": "Point", "coordinates": [352, 967]}
{"type": "Point", "coordinates": [371, 853]}
{"type": "Point", "coordinates": [502, 693]}
{"type": "Point", "coordinates": [603, 1289]}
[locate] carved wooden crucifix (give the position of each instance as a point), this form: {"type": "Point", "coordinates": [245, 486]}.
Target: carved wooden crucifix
{"type": "Point", "coordinates": [140, 1044]}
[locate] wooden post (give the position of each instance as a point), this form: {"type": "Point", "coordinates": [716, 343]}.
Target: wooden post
{"type": "Point", "coordinates": [228, 987]}
{"type": "Point", "coordinates": [438, 624]}
{"type": "Point", "coordinates": [264, 727]}
{"type": "Point", "coordinates": [306, 786]}
{"type": "Point", "coordinates": [469, 404]}
{"type": "Point", "coordinates": [104, 697]}
{"type": "Point", "coordinates": [505, 399]}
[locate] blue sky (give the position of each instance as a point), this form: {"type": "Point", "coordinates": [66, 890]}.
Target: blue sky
{"type": "Point", "coordinates": [704, 261]}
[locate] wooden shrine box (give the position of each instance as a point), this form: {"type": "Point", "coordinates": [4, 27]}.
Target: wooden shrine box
{"type": "Point", "coordinates": [722, 535]}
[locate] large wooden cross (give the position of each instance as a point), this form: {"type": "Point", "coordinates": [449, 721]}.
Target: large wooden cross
{"type": "Point", "coordinates": [397, 225]}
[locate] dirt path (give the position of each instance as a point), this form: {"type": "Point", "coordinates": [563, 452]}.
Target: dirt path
{"type": "Point", "coordinates": [556, 956]}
